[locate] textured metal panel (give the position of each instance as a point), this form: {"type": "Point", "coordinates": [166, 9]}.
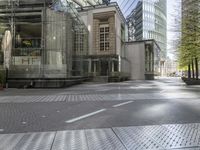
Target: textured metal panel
{"type": "Point", "coordinates": [9, 141]}
{"type": "Point", "coordinates": [32, 99]}
{"type": "Point", "coordinates": [84, 97]}
{"type": "Point", "coordinates": [135, 139]}
{"type": "Point", "coordinates": [193, 148]}
{"type": "Point", "coordinates": [70, 140]}
{"type": "Point", "coordinates": [103, 139]}
{"type": "Point", "coordinates": [36, 141]}
{"type": "Point", "coordinates": [168, 138]}
{"type": "Point", "coordinates": [80, 98]}
{"type": "Point", "coordinates": [189, 132]}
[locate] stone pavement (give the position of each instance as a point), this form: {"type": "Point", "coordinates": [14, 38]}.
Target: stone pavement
{"type": "Point", "coordinates": [136, 115]}
{"type": "Point", "coordinates": [94, 97]}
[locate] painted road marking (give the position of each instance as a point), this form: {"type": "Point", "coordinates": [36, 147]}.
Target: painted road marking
{"type": "Point", "coordinates": [121, 104]}
{"type": "Point", "coordinates": [24, 122]}
{"type": "Point", "coordinates": [162, 91]}
{"type": "Point", "coordinates": [103, 90]}
{"type": "Point", "coordinates": [85, 116]}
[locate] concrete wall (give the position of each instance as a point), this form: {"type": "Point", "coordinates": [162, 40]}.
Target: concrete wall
{"type": "Point", "coordinates": [135, 53]}
{"type": "Point", "coordinates": [118, 23]}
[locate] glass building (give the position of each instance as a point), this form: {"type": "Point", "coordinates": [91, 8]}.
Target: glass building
{"type": "Point", "coordinates": [42, 40]}
{"type": "Point", "coordinates": [84, 3]}
{"type": "Point", "coordinates": [148, 21]}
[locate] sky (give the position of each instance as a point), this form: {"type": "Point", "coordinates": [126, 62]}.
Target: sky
{"type": "Point", "coordinates": [171, 14]}
{"type": "Point", "coordinates": [173, 8]}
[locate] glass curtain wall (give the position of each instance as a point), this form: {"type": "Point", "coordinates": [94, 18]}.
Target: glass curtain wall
{"type": "Point", "coordinates": [148, 21]}
{"type": "Point", "coordinates": [48, 41]}
{"type": "Point", "coordinates": [154, 24]}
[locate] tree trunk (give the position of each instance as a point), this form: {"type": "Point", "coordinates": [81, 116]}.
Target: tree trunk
{"type": "Point", "coordinates": [189, 71]}
{"type": "Point", "coordinates": [193, 74]}
{"type": "Point", "coordinates": [197, 68]}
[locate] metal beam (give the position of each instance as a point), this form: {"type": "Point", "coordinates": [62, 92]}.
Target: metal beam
{"type": "Point", "coordinates": [78, 2]}
{"type": "Point", "coordinates": [21, 14]}
{"type": "Point", "coordinates": [22, 9]}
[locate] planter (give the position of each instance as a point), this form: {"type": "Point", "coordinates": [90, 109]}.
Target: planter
{"type": "Point", "coordinates": [191, 81]}
{"type": "Point", "coordinates": [1, 88]}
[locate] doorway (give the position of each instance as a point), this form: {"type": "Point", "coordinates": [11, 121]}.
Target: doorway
{"type": "Point", "coordinates": [104, 68]}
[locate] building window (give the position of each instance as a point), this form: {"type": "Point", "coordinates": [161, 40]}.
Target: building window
{"type": "Point", "coordinates": [104, 37]}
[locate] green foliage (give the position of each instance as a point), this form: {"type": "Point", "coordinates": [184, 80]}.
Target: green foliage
{"type": "Point", "coordinates": [190, 40]}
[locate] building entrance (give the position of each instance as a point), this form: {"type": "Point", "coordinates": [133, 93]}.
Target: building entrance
{"type": "Point", "coordinates": [104, 68]}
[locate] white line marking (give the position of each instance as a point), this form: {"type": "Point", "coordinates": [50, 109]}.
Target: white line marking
{"type": "Point", "coordinates": [103, 90]}
{"type": "Point", "coordinates": [24, 122]}
{"type": "Point", "coordinates": [162, 91]}
{"type": "Point", "coordinates": [85, 116]}
{"type": "Point", "coordinates": [121, 104]}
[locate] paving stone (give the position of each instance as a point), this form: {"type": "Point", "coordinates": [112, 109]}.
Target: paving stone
{"type": "Point", "coordinates": [89, 97]}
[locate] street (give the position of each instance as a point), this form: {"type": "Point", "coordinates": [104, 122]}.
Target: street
{"type": "Point", "coordinates": [160, 114]}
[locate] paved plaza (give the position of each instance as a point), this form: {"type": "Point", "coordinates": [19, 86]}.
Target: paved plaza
{"type": "Point", "coordinates": [134, 115]}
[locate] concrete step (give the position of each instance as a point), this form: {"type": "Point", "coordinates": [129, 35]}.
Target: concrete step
{"type": "Point", "coordinates": [43, 83]}
{"type": "Point", "coordinates": [100, 79]}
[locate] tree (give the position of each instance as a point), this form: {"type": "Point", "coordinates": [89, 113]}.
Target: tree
{"type": "Point", "coordinates": [189, 50]}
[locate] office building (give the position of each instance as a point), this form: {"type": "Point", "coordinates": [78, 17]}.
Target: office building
{"type": "Point", "coordinates": [148, 21]}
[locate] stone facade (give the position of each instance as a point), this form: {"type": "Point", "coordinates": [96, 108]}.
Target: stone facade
{"type": "Point", "coordinates": [110, 20]}
{"type": "Point", "coordinates": [106, 26]}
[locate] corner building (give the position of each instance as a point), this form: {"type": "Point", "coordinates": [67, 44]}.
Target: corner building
{"type": "Point", "coordinates": [106, 54]}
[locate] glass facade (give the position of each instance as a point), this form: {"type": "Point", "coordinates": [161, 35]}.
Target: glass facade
{"type": "Point", "coordinates": [84, 3]}
{"type": "Point", "coordinates": [42, 39]}
{"type": "Point", "coordinates": [148, 21]}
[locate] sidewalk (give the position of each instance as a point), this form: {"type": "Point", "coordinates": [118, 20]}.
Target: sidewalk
{"type": "Point", "coordinates": [158, 137]}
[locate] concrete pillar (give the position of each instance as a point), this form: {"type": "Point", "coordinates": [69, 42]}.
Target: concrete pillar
{"type": "Point", "coordinates": [113, 66]}
{"type": "Point", "coordinates": [153, 69]}
{"type": "Point", "coordinates": [95, 67]}
{"type": "Point", "coordinates": [89, 66]}
{"type": "Point", "coordinates": [151, 61]}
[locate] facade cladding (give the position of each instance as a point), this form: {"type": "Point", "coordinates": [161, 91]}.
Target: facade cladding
{"type": "Point", "coordinates": [148, 21]}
